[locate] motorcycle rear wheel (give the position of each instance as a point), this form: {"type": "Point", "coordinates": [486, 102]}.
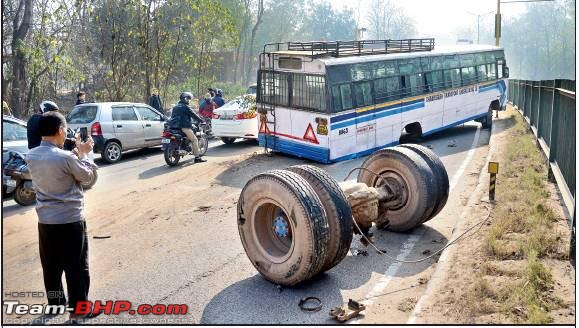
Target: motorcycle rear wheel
{"type": "Point", "coordinates": [171, 156]}
{"type": "Point", "coordinates": [23, 196]}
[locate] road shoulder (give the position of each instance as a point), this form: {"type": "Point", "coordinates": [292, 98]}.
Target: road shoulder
{"type": "Point", "coordinates": [477, 282]}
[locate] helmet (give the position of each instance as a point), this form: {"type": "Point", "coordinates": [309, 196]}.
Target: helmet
{"type": "Point", "coordinates": [186, 97]}
{"type": "Point", "coordinates": [220, 92]}
{"type": "Point", "coordinates": [48, 106]}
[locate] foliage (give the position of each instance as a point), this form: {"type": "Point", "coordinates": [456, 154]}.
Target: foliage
{"type": "Point", "coordinates": [389, 21]}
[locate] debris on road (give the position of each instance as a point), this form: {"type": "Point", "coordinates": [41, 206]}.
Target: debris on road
{"type": "Point", "coordinates": [311, 308]}
{"type": "Point", "coordinates": [422, 281]}
{"type": "Point", "coordinates": [452, 143]}
{"type": "Point", "coordinates": [357, 252]}
{"type": "Point", "coordinates": [202, 209]}
{"type": "Point", "coordinates": [101, 237]}
{"type": "Point", "coordinates": [381, 251]}
{"type": "Point", "coordinates": [341, 315]}
{"type": "Point", "coordinates": [426, 252]}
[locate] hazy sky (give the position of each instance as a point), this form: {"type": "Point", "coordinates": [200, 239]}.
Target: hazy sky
{"type": "Point", "coordinates": [440, 18]}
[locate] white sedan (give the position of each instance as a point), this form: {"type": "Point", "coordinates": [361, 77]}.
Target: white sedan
{"type": "Point", "coordinates": [236, 119]}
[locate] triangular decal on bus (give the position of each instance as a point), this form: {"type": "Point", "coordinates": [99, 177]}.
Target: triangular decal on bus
{"type": "Point", "coordinates": [263, 128]}
{"type": "Point", "coordinates": [310, 135]}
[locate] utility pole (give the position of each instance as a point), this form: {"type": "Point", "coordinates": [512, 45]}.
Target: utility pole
{"type": "Point", "coordinates": [478, 18]}
{"type": "Point", "coordinates": [498, 16]}
{"type": "Point", "coordinates": [498, 24]}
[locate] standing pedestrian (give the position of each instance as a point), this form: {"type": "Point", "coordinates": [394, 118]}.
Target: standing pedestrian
{"type": "Point", "coordinates": [155, 101]}
{"type": "Point", "coordinates": [32, 126]}
{"type": "Point", "coordinates": [80, 98]}
{"type": "Point", "coordinates": [57, 175]}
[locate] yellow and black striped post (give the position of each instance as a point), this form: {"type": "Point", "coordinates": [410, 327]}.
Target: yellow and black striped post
{"type": "Point", "coordinates": [493, 170]}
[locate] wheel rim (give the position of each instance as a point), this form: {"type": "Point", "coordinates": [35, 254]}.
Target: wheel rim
{"type": "Point", "coordinates": [201, 146]}
{"type": "Point", "coordinates": [395, 182]}
{"type": "Point", "coordinates": [273, 232]}
{"type": "Point", "coordinates": [113, 152]}
{"type": "Point", "coordinates": [26, 195]}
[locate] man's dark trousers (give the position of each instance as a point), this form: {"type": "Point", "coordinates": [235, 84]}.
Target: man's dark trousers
{"type": "Point", "coordinates": [64, 247]}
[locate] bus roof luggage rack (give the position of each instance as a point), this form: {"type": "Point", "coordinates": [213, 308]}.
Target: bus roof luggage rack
{"type": "Point", "coordinates": [317, 49]}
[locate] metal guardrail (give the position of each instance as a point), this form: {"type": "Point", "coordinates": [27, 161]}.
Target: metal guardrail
{"type": "Point", "coordinates": [549, 108]}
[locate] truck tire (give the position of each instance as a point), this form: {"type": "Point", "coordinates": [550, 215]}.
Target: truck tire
{"type": "Point", "coordinates": [440, 175]}
{"type": "Point", "coordinates": [283, 227]}
{"type": "Point", "coordinates": [337, 209]}
{"type": "Point", "coordinates": [410, 177]}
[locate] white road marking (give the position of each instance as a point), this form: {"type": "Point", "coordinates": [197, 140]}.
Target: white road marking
{"type": "Point", "coordinates": [409, 244]}
{"type": "Point", "coordinates": [443, 257]}
{"type": "Point", "coordinates": [466, 161]}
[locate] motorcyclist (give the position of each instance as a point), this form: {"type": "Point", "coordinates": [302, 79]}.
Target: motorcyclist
{"type": "Point", "coordinates": [32, 129]}
{"type": "Point", "coordinates": [206, 107]}
{"type": "Point", "coordinates": [218, 99]}
{"type": "Point", "coordinates": [183, 117]}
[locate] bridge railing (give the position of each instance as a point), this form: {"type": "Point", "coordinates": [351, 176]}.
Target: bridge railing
{"type": "Point", "coordinates": [549, 108]}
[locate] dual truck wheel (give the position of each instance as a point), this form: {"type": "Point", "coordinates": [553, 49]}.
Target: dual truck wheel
{"type": "Point", "coordinates": [297, 223]}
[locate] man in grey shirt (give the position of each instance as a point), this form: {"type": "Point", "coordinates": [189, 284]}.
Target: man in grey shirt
{"type": "Point", "coordinates": [57, 175]}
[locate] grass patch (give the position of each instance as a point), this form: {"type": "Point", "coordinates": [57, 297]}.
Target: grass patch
{"type": "Point", "coordinates": [522, 229]}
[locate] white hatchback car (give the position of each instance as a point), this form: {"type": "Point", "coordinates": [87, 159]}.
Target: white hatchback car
{"type": "Point", "coordinates": [236, 119]}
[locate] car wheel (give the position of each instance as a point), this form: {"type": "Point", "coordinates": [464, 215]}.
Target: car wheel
{"type": "Point", "coordinates": [112, 152]}
{"type": "Point", "coordinates": [228, 140]}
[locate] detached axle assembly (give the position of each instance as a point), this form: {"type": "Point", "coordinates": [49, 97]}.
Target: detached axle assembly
{"type": "Point", "coordinates": [298, 222]}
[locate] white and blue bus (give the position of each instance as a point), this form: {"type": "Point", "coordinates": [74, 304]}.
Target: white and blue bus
{"type": "Point", "coordinates": [333, 101]}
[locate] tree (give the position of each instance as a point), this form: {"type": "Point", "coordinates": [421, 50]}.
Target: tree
{"type": "Point", "coordinates": [21, 23]}
{"type": "Point", "coordinates": [388, 21]}
{"type": "Point", "coordinates": [259, 17]}
{"type": "Point", "coordinates": [326, 24]}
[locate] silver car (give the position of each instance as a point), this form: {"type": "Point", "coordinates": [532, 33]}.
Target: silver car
{"type": "Point", "coordinates": [14, 138]}
{"type": "Point", "coordinates": [118, 126]}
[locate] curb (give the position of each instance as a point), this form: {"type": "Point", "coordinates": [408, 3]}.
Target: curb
{"type": "Point", "coordinates": [443, 264]}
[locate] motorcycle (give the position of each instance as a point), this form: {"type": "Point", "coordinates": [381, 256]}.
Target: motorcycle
{"type": "Point", "coordinates": [16, 180]}
{"type": "Point", "coordinates": [175, 143]}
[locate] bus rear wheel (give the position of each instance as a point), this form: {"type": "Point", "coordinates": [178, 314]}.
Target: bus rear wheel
{"type": "Point", "coordinates": [406, 175]}
{"type": "Point", "coordinates": [283, 227]}
{"type": "Point", "coordinates": [440, 175]}
{"type": "Point", "coordinates": [338, 212]}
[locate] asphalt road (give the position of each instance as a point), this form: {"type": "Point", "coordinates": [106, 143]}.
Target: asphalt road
{"type": "Point", "coordinates": [172, 239]}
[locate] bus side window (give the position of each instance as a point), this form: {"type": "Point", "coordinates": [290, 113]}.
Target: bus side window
{"type": "Point", "coordinates": [482, 73]}
{"type": "Point", "coordinates": [452, 78]}
{"type": "Point", "coordinates": [491, 71]}
{"type": "Point", "coordinates": [468, 75]}
{"type": "Point", "coordinates": [346, 96]}
{"type": "Point", "coordinates": [336, 102]}
{"type": "Point", "coordinates": [363, 94]}
{"type": "Point", "coordinates": [387, 89]}
{"type": "Point", "coordinates": [434, 81]}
